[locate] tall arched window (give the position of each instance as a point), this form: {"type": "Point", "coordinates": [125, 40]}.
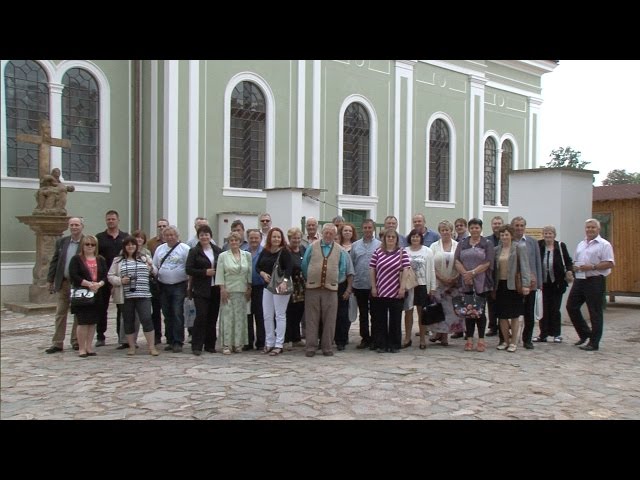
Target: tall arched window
{"type": "Point", "coordinates": [439, 161]}
{"type": "Point", "coordinates": [27, 102]}
{"type": "Point", "coordinates": [248, 127]}
{"type": "Point", "coordinates": [355, 167]}
{"type": "Point", "coordinates": [506, 163]}
{"type": "Point", "coordinates": [490, 171]}
{"type": "Point", "coordinates": [81, 126]}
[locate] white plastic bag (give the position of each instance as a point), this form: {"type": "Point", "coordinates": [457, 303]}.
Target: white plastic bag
{"type": "Point", "coordinates": [189, 312]}
{"type": "Point", "coordinates": [353, 308]}
{"type": "Point", "coordinates": [538, 310]}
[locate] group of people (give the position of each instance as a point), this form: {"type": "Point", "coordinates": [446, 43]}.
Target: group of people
{"type": "Point", "coordinates": [268, 289]}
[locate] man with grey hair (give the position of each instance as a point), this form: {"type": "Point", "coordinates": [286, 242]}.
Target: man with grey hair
{"type": "Point", "coordinates": [170, 259]}
{"type": "Point", "coordinates": [265, 225]}
{"type": "Point", "coordinates": [311, 226]}
{"type": "Point", "coordinates": [325, 267]}
{"type": "Point", "coordinates": [197, 223]}
{"type": "Point", "coordinates": [58, 282]}
{"type": "Point", "coordinates": [535, 266]}
{"type": "Point", "coordinates": [592, 263]}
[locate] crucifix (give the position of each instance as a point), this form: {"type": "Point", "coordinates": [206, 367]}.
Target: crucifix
{"type": "Point", "coordinates": [46, 142]}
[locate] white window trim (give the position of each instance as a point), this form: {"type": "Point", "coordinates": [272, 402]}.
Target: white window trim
{"type": "Point", "coordinates": [452, 161]}
{"type": "Point", "coordinates": [514, 163]}
{"type": "Point", "coordinates": [269, 167]}
{"type": "Point", "coordinates": [55, 74]}
{"type": "Point", "coordinates": [373, 147]}
{"type": "Point", "coordinates": [494, 135]}
{"type": "Point", "coordinates": [358, 202]}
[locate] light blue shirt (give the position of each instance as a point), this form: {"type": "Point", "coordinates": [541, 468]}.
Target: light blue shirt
{"type": "Point", "coordinates": [360, 255]}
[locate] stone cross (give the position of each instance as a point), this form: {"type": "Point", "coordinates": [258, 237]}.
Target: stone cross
{"type": "Point", "coordinates": [46, 142]}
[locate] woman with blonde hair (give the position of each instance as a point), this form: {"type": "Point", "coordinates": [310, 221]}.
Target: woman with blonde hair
{"type": "Point", "coordinates": [88, 270]}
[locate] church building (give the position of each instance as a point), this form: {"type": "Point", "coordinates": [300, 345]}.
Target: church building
{"type": "Point", "coordinates": [215, 138]}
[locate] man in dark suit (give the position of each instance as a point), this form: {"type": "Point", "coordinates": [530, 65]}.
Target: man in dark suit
{"type": "Point", "coordinates": [58, 282]}
{"type": "Point", "coordinates": [535, 266]}
{"type": "Point", "coordinates": [494, 238]}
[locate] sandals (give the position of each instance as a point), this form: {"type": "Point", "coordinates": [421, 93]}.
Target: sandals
{"type": "Point", "coordinates": [423, 346]}
{"type": "Point", "coordinates": [267, 349]}
{"type": "Point", "coordinates": [275, 352]}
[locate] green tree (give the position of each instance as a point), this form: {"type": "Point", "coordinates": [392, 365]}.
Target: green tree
{"type": "Point", "coordinates": [621, 177]}
{"type": "Point", "coordinates": [566, 157]}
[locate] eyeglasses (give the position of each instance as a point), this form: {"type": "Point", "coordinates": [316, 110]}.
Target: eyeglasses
{"type": "Point", "coordinates": [89, 244]}
{"type": "Point", "coordinates": [265, 221]}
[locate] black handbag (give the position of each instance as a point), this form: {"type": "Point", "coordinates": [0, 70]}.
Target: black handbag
{"type": "Point", "coordinates": [81, 297]}
{"type": "Point", "coordinates": [469, 305]}
{"type": "Point", "coordinates": [432, 312]}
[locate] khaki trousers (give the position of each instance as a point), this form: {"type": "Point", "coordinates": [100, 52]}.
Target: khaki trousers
{"type": "Point", "coordinates": [61, 317]}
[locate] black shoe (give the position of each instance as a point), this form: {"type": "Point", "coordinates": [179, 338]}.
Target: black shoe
{"type": "Point", "coordinates": [457, 335]}
{"type": "Point", "coordinates": [197, 353]}
{"type": "Point", "coordinates": [91, 354]}
{"type": "Point", "coordinates": [76, 347]}
{"type": "Point", "coordinates": [491, 333]}
{"type": "Point", "coordinates": [589, 348]}
{"type": "Point", "coordinates": [340, 347]}
{"type": "Point", "coordinates": [581, 341]}
{"type": "Point", "coordinates": [528, 345]}
{"type": "Point", "coordinates": [53, 349]}
{"type": "Point", "coordinates": [168, 348]}
{"type": "Point", "coordinates": [122, 346]}
{"type": "Point", "coordinates": [372, 347]}
{"type": "Point", "coordinates": [328, 354]}
{"type": "Point", "coordinates": [210, 350]}
{"type": "Point", "coordinates": [363, 344]}
{"type": "Point", "coordinates": [309, 353]}
{"type": "Point", "coordinates": [380, 350]}
{"type": "Point", "coordinates": [394, 350]}
{"type": "Point", "coordinates": [177, 348]}
{"type": "Point", "coordinates": [247, 348]}
{"type": "Point", "coordinates": [100, 343]}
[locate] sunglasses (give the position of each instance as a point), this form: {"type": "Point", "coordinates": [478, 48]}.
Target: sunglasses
{"type": "Point", "coordinates": [265, 221]}
{"type": "Point", "coordinates": [89, 244]}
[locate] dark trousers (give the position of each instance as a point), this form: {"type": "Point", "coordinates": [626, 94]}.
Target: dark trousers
{"type": "Point", "coordinates": [492, 318]}
{"type": "Point", "coordinates": [529, 319]}
{"type": "Point", "coordinates": [101, 327]}
{"type": "Point", "coordinates": [294, 316]}
{"type": "Point", "coordinates": [156, 309]}
{"type": "Point", "coordinates": [343, 324]}
{"type": "Point", "coordinates": [204, 326]}
{"type": "Point", "coordinates": [362, 297]}
{"type": "Point", "coordinates": [590, 290]}
{"type": "Point", "coordinates": [551, 300]}
{"type": "Point", "coordinates": [470, 324]}
{"type": "Point", "coordinates": [141, 306]}
{"type": "Point", "coordinates": [256, 314]}
{"type": "Point", "coordinates": [387, 317]}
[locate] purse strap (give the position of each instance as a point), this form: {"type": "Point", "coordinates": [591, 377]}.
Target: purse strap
{"type": "Point", "coordinates": [564, 265]}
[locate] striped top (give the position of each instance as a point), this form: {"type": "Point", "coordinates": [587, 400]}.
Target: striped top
{"type": "Point", "coordinates": [387, 266]}
{"type": "Point", "coordinates": [138, 272]}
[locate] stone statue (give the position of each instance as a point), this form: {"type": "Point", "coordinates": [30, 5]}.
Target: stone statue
{"type": "Point", "coordinates": [51, 197]}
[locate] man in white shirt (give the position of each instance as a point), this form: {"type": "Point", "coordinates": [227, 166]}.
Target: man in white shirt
{"type": "Point", "coordinates": [312, 232]}
{"type": "Point", "coordinates": [170, 259]}
{"type": "Point", "coordinates": [592, 263]}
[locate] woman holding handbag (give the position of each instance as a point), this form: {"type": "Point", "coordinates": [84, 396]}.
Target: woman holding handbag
{"type": "Point", "coordinates": [474, 262]}
{"type": "Point", "coordinates": [557, 272]}
{"type": "Point", "coordinates": [88, 270]}
{"type": "Point", "coordinates": [511, 273]}
{"type": "Point", "coordinates": [275, 300]}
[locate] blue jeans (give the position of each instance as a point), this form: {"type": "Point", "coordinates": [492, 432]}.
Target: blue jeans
{"type": "Point", "coordinates": [172, 299]}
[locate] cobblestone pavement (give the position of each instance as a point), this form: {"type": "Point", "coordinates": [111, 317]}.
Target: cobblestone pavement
{"type": "Point", "coordinates": [554, 381]}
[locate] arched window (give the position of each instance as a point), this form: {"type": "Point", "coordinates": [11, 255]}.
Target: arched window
{"type": "Point", "coordinates": [439, 162]}
{"type": "Point", "coordinates": [355, 166]}
{"type": "Point", "coordinates": [490, 171]}
{"type": "Point", "coordinates": [27, 102]}
{"type": "Point", "coordinates": [81, 126]}
{"type": "Point", "coordinates": [248, 127]}
{"type": "Point", "coordinates": [506, 163]}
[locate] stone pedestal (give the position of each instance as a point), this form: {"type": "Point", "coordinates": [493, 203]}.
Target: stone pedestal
{"type": "Point", "coordinates": [288, 205]}
{"type": "Point", "coordinates": [48, 228]}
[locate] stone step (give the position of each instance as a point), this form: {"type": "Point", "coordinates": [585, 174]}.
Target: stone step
{"type": "Point", "coordinates": [29, 308]}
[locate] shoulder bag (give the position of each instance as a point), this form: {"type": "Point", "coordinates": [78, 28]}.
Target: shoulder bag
{"type": "Point", "coordinates": [469, 305]}
{"type": "Point", "coordinates": [411, 280]}
{"type": "Point", "coordinates": [277, 277]}
{"type": "Point", "coordinates": [432, 312]}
